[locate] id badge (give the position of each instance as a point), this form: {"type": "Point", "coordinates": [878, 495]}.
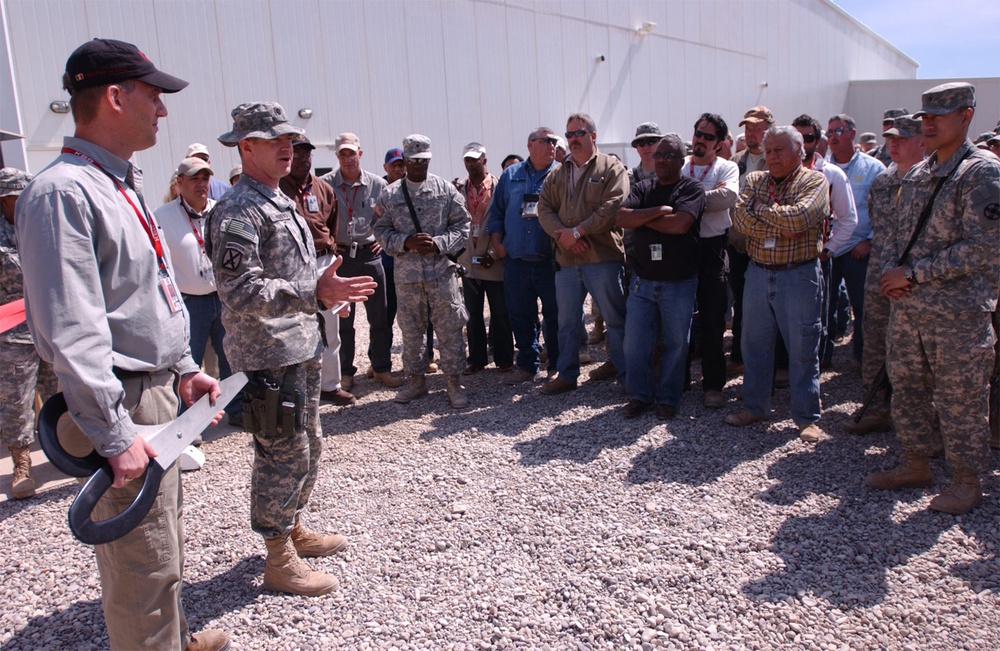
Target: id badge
{"type": "Point", "coordinates": [476, 229]}
{"type": "Point", "coordinates": [770, 243]}
{"type": "Point", "coordinates": [206, 271]}
{"type": "Point", "coordinates": [312, 203]}
{"type": "Point", "coordinates": [170, 292]}
{"type": "Point", "coordinates": [656, 252]}
{"type": "Point", "coordinates": [529, 206]}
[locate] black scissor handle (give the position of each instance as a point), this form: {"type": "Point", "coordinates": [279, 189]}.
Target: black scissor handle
{"type": "Point", "coordinates": [48, 421]}
{"type": "Point", "coordinates": [104, 531]}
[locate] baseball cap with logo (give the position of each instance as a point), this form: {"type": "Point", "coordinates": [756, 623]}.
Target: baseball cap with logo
{"type": "Point", "coordinates": [647, 131]}
{"type": "Point", "coordinates": [265, 120]}
{"type": "Point", "coordinates": [301, 140]}
{"type": "Point", "coordinates": [757, 115]}
{"type": "Point", "coordinates": [416, 146]}
{"type": "Point", "coordinates": [13, 181]}
{"type": "Point", "coordinates": [347, 141]}
{"type": "Point", "coordinates": [947, 98]}
{"type": "Point", "coordinates": [903, 126]}
{"type": "Point", "coordinates": [474, 150]}
{"type": "Point", "coordinates": [196, 148]}
{"type": "Point", "coordinates": [191, 166]}
{"type": "Point", "coordinates": [393, 155]}
{"type": "Point", "coordinates": [105, 61]}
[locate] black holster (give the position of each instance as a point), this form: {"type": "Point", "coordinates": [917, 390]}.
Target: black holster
{"type": "Point", "coordinates": [272, 410]}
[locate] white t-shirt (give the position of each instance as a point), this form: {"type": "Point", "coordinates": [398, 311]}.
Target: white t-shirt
{"type": "Point", "coordinates": [718, 201]}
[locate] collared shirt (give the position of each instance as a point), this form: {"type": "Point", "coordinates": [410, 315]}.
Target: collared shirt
{"type": "Point", "coordinates": [478, 200]}
{"type": "Point", "coordinates": [11, 286]}
{"type": "Point", "coordinates": [523, 237]}
{"type": "Point", "coordinates": [317, 204]}
{"type": "Point", "coordinates": [356, 206]}
{"type": "Point", "coordinates": [92, 289]}
{"type": "Point", "coordinates": [861, 170]}
{"type": "Point", "coordinates": [844, 215]}
{"type": "Point", "coordinates": [265, 269]}
{"type": "Point", "coordinates": [955, 262]}
{"type": "Point", "coordinates": [184, 234]}
{"type": "Point", "coordinates": [718, 201]}
{"type": "Point", "coordinates": [798, 204]}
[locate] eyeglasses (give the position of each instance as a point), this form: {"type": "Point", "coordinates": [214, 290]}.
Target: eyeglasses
{"type": "Point", "coordinates": [711, 137]}
{"type": "Point", "coordinates": [659, 155]}
{"type": "Point", "coordinates": [839, 131]}
{"type": "Point", "coordinates": [418, 161]}
{"type": "Point", "coordinates": [649, 142]}
{"type": "Point", "coordinates": [579, 133]}
{"type": "Point", "coordinates": [545, 140]}
{"type": "Point", "coordinates": [809, 137]}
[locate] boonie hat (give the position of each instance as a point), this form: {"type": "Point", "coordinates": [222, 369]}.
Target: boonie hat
{"type": "Point", "coordinates": [904, 126]}
{"type": "Point", "coordinates": [646, 131]}
{"type": "Point", "coordinates": [947, 98]}
{"type": "Point", "coordinates": [105, 61]}
{"type": "Point", "coordinates": [416, 146]}
{"type": "Point", "coordinates": [757, 114]}
{"type": "Point", "coordinates": [473, 150]}
{"type": "Point", "coordinates": [265, 120]}
{"type": "Point", "coordinates": [347, 141]}
{"type": "Point", "coordinates": [13, 181]}
{"type": "Point", "coordinates": [393, 155]}
{"type": "Point", "coordinates": [191, 166]}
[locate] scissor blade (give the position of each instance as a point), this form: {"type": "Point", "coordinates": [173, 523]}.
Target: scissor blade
{"type": "Point", "coordinates": [176, 435]}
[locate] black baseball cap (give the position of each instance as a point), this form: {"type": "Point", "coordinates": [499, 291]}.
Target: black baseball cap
{"type": "Point", "coordinates": [105, 61]}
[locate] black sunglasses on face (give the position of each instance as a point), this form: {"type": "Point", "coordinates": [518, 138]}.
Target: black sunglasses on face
{"type": "Point", "coordinates": [809, 137]}
{"type": "Point", "coordinates": [579, 133]}
{"type": "Point", "coordinates": [659, 155]}
{"type": "Point", "coordinates": [546, 141]}
{"type": "Point", "coordinates": [711, 137]}
{"type": "Point", "coordinates": [647, 143]}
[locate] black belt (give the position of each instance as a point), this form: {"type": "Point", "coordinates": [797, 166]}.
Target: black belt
{"type": "Point", "coordinates": [125, 374]}
{"type": "Point", "coordinates": [321, 252]}
{"type": "Point", "coordinates": [783, 267]}
{"type": "Point", "coordinates": [185, 296]}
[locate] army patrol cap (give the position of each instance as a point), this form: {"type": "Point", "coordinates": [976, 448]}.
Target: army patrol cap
{"type": "Point", "coordinates": [647, 131]}
{"type": "Point", "coordinates": [474, 150]}
{"type": "Point", "coordinates": [104, 61]}
{"type": "Point", "coordinates": [756, 115]}
{"type": "Point", "coordinates": [904, 126]}
{"type": "Point", "coordinates": [193, 165]}
{"type": "Point", "coordinates": [13, 181]}
{"type": "Point", "coordinates": [983, 137]}
{"type": "Point", "coordinates": [868, 136]}
{"type": "Point", "coordinates": [264, 120]}
{"type": "Point", "coordinates": [416, 146]}
{"type": "Point", "coordinates": [946, 98]}
{"type": "Point", "coordinates": [892, 114]}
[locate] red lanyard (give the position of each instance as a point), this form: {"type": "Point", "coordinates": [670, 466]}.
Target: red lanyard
{"type": "Point", "coordinates": [771, 187]}
{"type": "Point", "coordinates": [147, 221]}
{"type": "Point", "coordinates": [194, 228]}
{"type": "Point", "coordinates": [474, 204]}
{"type": "Point", "coordinates": [703, 174]}
{"type": "Point", "coordinates": [350, 204]}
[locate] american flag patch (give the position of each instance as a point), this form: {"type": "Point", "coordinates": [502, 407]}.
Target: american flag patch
{"type": "Point", "coordinates": [241, 230]}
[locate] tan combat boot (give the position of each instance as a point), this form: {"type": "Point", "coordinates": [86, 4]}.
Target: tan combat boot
{"type": "Point", "coordinates": [22, 484]}
{"type": "Point", "coordinates": [416, 388]}
{"type": "Point", "coordinates": [914, 472]}
{"type": "Point", "coordinates": [873, 421]}
{"type": "Point", "coordinates": [962, 495]}
{"type": "Point", "coordinates": [309, 544]}
{"type": "Point", "coordinates": [456, 392]}
{"type": "Point", "coordinates": [285, 572]}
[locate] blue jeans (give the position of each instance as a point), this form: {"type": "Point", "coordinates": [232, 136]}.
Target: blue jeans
{"type": "Point", "coordinates": [604, 282]}
{"type": "Point", "coordinates": [658, 308]}
{"type": "Point", "coordinates": [788, 302]}
{"type": "Point", "coordinates": [525, 283]}
{"type": "Point", "coordinates": [853, 273]}
{"type": "Point", "coordinates": [205, 314]}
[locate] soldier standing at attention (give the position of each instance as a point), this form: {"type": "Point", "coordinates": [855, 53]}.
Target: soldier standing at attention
{"type": "Point", "coordinates": [265, 270]}
{"type": "Point", "coordinates": [940, 336]}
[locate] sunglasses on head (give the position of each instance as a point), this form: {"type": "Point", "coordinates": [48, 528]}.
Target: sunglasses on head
{"type": "Point", "coordinates": [579, 133]}
{"type": "Point", "coordinates": [711, 137]}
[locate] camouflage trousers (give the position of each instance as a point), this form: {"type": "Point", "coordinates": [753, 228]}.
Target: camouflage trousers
{"type": "Point", "coordinates": [285, 466]}
{"type": "Point", "coordinates": [874, 326]}
{"type": "Point", "coordinates": [441, 303]}
{"type": "Point", "coordinates": [942, 364]}
{"type": "Point", "coordinates": [23, 371]}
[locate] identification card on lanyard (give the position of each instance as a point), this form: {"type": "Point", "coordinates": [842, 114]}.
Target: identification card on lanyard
{"type": "Point", "coordinates": [312, 203]}
{"type": "Point", "coordinates": [170, 291]}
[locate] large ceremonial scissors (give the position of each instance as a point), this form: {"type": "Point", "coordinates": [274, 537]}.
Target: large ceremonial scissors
{"type": "Point", "coordinates": [169, 440]}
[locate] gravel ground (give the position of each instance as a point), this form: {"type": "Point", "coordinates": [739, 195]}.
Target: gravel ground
{"type": "Point", "coordinates": [535, 522]}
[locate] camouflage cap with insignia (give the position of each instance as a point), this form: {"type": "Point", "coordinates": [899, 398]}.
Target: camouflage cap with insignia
{"type": "Point", "coordinates": [868, 136]}
{"type": "Point", "coordinates": [647, 131]}
{"type": "Point", "coordinates": [264, 120]}
{"type": "Point", "coordinates": [947, 98]}
{"type": "Point", "coordinates": [13, 181]}
{"type": "Point", "coordinates": [892, 114]}
{"type": "Point", "coordinates": [416, 146]}
{"type": "Point", "coordinates": [904, 126]}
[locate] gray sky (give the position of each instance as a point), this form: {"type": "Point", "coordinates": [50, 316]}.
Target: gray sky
{"type": "Point", "coordinates": [953, 39]}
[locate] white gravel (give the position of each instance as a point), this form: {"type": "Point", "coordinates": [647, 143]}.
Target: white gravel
{"type": "Point", "coordinates": [535, 522]}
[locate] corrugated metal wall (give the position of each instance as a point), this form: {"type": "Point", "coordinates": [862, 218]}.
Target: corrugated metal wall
{"type": "Point", "coordinates": [455, 70]}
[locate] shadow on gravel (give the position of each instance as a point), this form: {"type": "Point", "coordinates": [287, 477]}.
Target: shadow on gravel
{"type": "Point", "coordinates": [581, 441]}
{"type": "Point", "coordinates": [222, 594]}
{"type": "Point", "coordinates": [79, 626]}
{"type": "Point", "coordinates": [844, 554]}
{"type": "Point", "coordinates": [12, 507]}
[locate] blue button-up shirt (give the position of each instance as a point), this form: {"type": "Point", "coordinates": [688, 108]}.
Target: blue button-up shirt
{"type": "Point", "coordinates": [861, 171]}
{"type": "Point", "coordinates": [523, 237]}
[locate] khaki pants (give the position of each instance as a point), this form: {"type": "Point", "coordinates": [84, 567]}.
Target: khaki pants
{"type": "Point", "coordinates": [141, 573]}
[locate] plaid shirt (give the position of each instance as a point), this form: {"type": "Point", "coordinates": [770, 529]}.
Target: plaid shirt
{"type": "Point", "coordinates": [797, 205]}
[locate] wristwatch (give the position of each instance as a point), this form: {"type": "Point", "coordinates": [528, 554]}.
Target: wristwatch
{"type": "Point", "coordinates": [908, 274]}
{"type": "Point", "coordinates": [576, 232]}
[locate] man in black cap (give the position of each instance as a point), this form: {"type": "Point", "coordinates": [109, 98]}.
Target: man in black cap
{"type": "Point", "coordinates": [106, 311]}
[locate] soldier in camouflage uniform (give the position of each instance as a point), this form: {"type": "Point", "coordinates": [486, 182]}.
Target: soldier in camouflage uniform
{"type": "Point", "coordinates": [888, 117]}
{"type": "Point", "coordinates": [940, 336]}
{"type": "Point", "coordinates": [265, 270]}
{"type": "Point", "coordinates": [24, 370]}
{"type": "Point", "coordinates": [904, 142]}
{"type": "Point", "coordinates": [427, 287]}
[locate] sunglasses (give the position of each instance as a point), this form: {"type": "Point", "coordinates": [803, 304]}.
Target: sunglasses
{"type": "Point", "coordinates": [647, 143]}
{"type": "Point", "coordinates": [546, 141]}
{"type": "Point", "coordinates": [659, 155]}
{"type": "Point", "coordinates": [579, 133]}
{"type": "Point", "coordinates": [809, 137]}
{"type": "Point", "coordinates": [838, 131]}
{"type": "Point", "coordinates": [418, 161]}
{"type": "Point", "coordinates": [711, 137]}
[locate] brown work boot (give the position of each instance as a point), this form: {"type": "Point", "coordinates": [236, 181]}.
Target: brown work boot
{"type": "Point", "coordinates": [605, 371]}
{"type": "Point", "coordinates": [22, 484]}
{"type": "Point", "coordinates": [557, 385]}
{"type": "Point", "coordinates": [872, 421]}
{"type": "Point", "coordinates": [456, 392]}
{"type": "Point", "coordinates": [387, 379]}
{"type": "Point", "coordinates": [416, 388]}
{"type": "Point", "coordinates": [211, 639]}
{"type": "Point", "coordinates": [597, 334]}
{"type": "Point", "coordinates": [285, 572]}
{"type": "Point", "coordinates": [914, 472]}
{"type": "Point", "coordinates": [309, 544]}
{"type": "Point", "coordinates": [962, 495]}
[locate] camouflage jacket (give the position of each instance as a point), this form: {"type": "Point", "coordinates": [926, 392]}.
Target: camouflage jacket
{"type": "Point", "coordinates": [11, 287]}
{"type": "Point", "coordinates": [955, 259]}
{"type": "Point", "coordinates": [881, 208]}
{"type": "Point", "coordinates": [442, 215]}
{"type": "Point", "coordinates": [265, 270]}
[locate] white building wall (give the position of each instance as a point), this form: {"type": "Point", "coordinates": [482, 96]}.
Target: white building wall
{"type": "Point", "coordinates": [454, 70]}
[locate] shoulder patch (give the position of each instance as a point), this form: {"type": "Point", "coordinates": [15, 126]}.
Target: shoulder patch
{"type": "Point", "coordinates": [992, 212]}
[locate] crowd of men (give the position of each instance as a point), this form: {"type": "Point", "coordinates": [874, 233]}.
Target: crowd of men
{"type": "Point", "coordinates": [122, 302]}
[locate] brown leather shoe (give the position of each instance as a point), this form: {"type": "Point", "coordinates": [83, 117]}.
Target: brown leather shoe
{"type": "Point", "coordinates": [635, 408]}
{"type": "Point", "coordinates": [472, 369]}
{"type": "Point", "coordinates": [211, 639]}
{"type": "Point", "coordinates": [962, 495]}
{"type": "Point", "coordinates": [520, 376]}
{"type": "Point", "coordinates": [810, 433]}
{"type": "Point", "coordinates": [744, 418]}
{"type": "Point", "coordinates": [387, 379]}
{"type": "Point", "coordinates": [338, 397]}
{"type": "Point", "coordinates": [714, 400]}
{"type": "Point", "coordinates": [605, 371]}
{"type": "Point", "coordinates": [557, 385]}
{"type": "Point", "coordinates": [665, 412]}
